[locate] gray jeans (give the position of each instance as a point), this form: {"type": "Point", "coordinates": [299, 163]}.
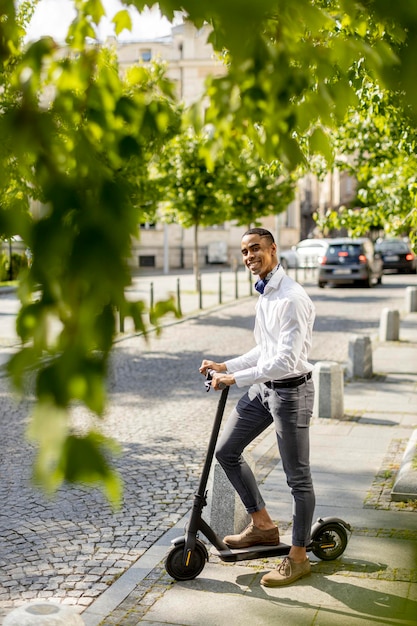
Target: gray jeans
{"type": "Point", "coordinates": [290, 410]}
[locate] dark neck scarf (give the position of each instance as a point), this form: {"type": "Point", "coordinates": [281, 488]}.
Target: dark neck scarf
{"type": "Point", "coordinates": [260, 285]}
{"type": "Point", "coordinates": [262, 282]}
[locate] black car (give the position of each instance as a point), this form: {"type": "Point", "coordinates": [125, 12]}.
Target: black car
{"type": "Point", "coordinates": [397, 255]}
{"type": "Point", "coordinates": [349, 261]}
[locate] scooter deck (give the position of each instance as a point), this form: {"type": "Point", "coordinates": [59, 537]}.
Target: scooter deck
{"type": "Point", "coordinates": [253, 552]}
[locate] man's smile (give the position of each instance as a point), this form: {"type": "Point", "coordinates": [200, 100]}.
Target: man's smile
{"type": "Point", "coordinates": [253, 265]}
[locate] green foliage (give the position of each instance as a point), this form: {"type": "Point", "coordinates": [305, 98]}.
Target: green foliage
{"type": "Point", "coordinates": [19, 263]}
{"type": "Point", "coordinates": [4, 267]}
{"type": "Point", "coordinates": [162, 308]}
{"type": "Point", "coordinates": [377, 142]}
{"type": "Point", "coordinates": [255, 188]}
{"type": "Point", "coordinates": [64, 455]}
{"type": "Point", "coordinates": [205, 185]}
{"type": "Point", "coordinates": [290, 69]}
{"type": "Point", "coordinates": [85, 142]}
{"type": "Point", "coordinates": [12, 267]}
{"type": "Point", "coordinates": [79, 138]}
{"type": "Point", "coordinates": [194, 191]}
{"type": "Point", "coordinates": [194, 184]}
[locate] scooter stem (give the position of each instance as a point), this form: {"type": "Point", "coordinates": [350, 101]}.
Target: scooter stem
{"type": "Point", "coordinates": [196, 522]}
{"type": "Point", "coordinates": [212, 443]}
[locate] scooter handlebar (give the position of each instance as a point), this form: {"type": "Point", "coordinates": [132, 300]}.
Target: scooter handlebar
{"type": "Point", "coordinates": [209, 378]}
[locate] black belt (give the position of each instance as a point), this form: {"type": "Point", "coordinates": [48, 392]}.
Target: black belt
{"type": "Point", "coordinates": [289, 382]}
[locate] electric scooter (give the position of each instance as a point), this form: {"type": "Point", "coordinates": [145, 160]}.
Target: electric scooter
{"type": "Point", "coordinates": [187, 558]}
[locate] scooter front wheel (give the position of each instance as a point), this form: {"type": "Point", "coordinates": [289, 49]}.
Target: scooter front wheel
{"type": "Point", "coordinates": [174, 562]}
{"type": "Point", "coordinates": [329, 542]}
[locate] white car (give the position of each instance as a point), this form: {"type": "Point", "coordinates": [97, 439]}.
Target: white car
{"type": "Point", "coordinates": [307, 253]}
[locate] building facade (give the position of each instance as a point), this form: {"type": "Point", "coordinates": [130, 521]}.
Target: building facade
{"type": "Point", "coordinates": [190, 60]}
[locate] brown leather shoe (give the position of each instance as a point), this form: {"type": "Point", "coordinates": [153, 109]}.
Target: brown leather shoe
{"type": "Point", "coordinates": [287, 572]}
{"type": "Point", "coordinates": [253, 536]}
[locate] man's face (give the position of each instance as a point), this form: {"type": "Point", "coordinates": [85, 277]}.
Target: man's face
{"type": "Point", "coordinates": [259, 254]}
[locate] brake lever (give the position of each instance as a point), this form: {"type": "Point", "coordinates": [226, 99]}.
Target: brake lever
{"type": "Point", "coordinates": [209, 379]}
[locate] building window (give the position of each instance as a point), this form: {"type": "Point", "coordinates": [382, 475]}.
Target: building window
{"type": "Point", "coordinates": [146, 55]}
{"type": "Point", "coordinates": [146, 260]}
{"type": "Point", "coordinates": [148, 226]}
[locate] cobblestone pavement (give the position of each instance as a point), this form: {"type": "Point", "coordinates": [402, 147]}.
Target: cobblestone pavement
{"type": "Point", "coordinates": [73, 547]}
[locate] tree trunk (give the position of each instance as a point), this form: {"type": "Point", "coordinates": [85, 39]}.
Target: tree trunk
{"type": "Point", "coordinates": [196, 267]}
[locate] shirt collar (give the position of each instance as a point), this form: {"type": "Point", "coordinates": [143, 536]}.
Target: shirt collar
{"type": "Point", "coordinates": [262, 282]}
{"type": "Point", "coordinates": [271, 273]}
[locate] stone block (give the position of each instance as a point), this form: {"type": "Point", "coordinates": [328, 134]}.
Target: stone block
{"type": "Point", "coordinates": [411, 299]}
{"type": "Point", "coordinates": [43, 614]}
{"type": "Point", "coordinates": [360, 357]}
{"type": "Point", "coordinates": [405, 485]}
{"type": "Point", "coordinates": [224, 512]}
{"type": "Point", "coordinates": [389, 325]}
{"type": "Point", "coordinates": [328, 382]}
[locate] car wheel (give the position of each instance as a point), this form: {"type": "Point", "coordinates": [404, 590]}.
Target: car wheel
{"type": "Point", "coordinates": [321, 284]}
{"type": "Point", "coordinates": [367, 282]}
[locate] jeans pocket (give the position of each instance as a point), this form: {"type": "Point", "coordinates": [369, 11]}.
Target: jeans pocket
{"type": "Point", "coordinates": [305, 410]}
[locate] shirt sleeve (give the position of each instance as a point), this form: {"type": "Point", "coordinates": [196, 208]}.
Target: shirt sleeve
{"type": "Point", "coordinates": [243, 362]}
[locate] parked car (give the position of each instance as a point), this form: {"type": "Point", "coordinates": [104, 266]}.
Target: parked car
{"type": "Point", "coordinates": [307, 253]}
{"type": "Point", "coordinates": [397, 255]}
{"type": "Point", "coordinates": [349, 261]}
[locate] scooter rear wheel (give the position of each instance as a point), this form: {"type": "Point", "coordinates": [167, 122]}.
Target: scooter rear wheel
{"type": "Point", "coordinates": [174, 563]}
{"type": "Point", "coordinates": [329, 542]}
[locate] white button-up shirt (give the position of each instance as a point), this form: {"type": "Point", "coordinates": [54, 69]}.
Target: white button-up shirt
{"type": "Point", "coordinates": [283, 334]}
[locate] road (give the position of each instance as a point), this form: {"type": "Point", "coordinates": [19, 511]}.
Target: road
{"type": "Point", "coordinates": [74, 546]}
{"type": "Point", "coordinates": [345, 311]}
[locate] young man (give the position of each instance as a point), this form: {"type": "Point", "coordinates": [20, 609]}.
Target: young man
{"type": "Point", "coordinates": [281, 391]}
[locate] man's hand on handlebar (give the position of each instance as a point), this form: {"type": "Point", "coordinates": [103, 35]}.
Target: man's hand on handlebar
{"type": "Point", "coordinates": [211, 365]}
{"type": "Point", "coordinates": [220, 381]}
{"type": "Point", "coordinates": [214, 373]}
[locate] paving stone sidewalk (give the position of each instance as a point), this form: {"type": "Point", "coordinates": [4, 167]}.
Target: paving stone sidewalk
{"type": "Point", "coordinates": [354, 464]}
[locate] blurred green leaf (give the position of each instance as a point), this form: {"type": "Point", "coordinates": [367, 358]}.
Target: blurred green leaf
{"type": "Point", "coordinates": [161, 309]}
{"type": "Point", "coordinates": [122, 21]}
{"type": "Point", "coordinates": [86, 460]}
{"type": "Point", "coordinates": [319, 142]}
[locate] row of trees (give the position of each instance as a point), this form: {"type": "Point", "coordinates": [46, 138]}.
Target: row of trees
{"type": "Point", "coordinates": [236, 185]}
{"type": "Point", "coordinates": [377, 145]}
{"type": "Point", "coordinates": [102, 151]}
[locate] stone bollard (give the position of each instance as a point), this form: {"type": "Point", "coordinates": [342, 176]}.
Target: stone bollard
{"type": "Point", "coordinates": [405, 486]}
{"type": "Point", "coordinates": [43, 614]}
{"type": "Point", "coordinates": [225, 511]}
{"type": "Point", "coordinates": [411, 299]}
{"type": "Point", "coordinates": [360, 357]}
{"type": "Point", "coordinates": [389, 326]}
{"type": "Point", "coordinates": [328, 382]}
